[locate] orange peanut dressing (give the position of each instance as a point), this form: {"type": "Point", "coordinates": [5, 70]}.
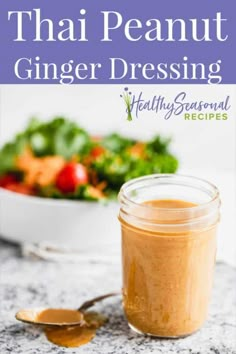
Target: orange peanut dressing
{"type": "Point", "coordinates": [170, 203]}
{"type": "Point", "coordinates": [75, 336]}
{"type": "Point", "coordinates": [64, 327]}
{"type": "Point", "coordinates": [167, 275]}
{"type": "Point", "coordinates": [60, 316]}
{"type": "Point", "coordinates": [70, 336]}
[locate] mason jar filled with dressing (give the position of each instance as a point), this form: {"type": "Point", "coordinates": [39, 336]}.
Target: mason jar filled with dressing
{"type": "Point", "coordinates": [168, 225]}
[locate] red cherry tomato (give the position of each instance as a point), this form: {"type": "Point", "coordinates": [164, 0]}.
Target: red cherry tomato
{"type": "Point", "coordinates": [7, 179]}
{"type": "Point", "coordinates": [97, 151]}
{"type": "Point", "coordinates": [71, 176]}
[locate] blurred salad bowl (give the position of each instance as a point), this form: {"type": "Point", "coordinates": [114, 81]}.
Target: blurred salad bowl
{"type": "Point", "coordinates": [59, 185]}
{"type": "Point", "coordinates": [58, 225]}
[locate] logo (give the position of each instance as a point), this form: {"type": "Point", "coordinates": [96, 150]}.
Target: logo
{"type": "Point", "coordinates": [180, 105]}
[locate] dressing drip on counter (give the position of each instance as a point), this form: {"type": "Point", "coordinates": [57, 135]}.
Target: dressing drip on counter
{"type": "Point", "coordinates": [75, 336]}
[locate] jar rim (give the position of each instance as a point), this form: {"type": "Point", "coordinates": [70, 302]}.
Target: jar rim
{"type": "Point", "coordinates": [159, 176]}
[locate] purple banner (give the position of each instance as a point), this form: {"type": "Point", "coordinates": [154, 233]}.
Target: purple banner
{"type": "Point", "coordinates": [114, 42]}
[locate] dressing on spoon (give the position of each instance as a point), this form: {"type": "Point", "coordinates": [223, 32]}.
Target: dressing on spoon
{"type": "Point", "coordinates": [65, 327]}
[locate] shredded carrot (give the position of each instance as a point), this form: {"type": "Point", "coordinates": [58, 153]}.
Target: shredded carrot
{"type": "Point", "coordinates": [102, 185]}
{"type": "Point", "coordinates": [40, 171]}
{"type": "Point", "coordinates": [95, 192]}
{"type": "Point", "coordinates": [137, 150]}
{"type": "Point", "coordinates": [20, 188]}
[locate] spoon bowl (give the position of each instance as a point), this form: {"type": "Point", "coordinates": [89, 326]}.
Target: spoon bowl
{"type": "Point", "coordinates": [51, 317]}
{"type": "Point", "coordinates": [59, 317]}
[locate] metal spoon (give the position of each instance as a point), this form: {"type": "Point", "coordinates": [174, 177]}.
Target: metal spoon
{"type": "Point", "coordinates": [59, 317]}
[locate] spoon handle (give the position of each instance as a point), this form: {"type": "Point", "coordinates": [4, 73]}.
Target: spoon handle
{"type": "Point", "coordinates": [90, 303]}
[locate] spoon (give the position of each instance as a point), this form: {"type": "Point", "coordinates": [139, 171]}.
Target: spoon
{"type": "Point", "coordinates": [59, 317]}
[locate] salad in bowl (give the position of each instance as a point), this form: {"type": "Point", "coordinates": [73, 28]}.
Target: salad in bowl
{"type": "Point", "coordinates": [59, 159]}
{"type": "Point", "coordinates": [53, 176]}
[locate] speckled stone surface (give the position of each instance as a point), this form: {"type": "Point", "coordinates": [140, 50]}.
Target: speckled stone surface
{"type": "Point", "coordinates": [27, 283]}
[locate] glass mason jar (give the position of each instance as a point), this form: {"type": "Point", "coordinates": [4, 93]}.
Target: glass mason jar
{"type": "Point", "coordinates": [168, 225]}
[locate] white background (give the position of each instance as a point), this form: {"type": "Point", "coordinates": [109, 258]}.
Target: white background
{"type": "Point", "coordinates": [205, 148]}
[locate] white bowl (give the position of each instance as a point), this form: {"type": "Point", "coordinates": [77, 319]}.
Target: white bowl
{"type": "Point", "coordinates": [81, 226]}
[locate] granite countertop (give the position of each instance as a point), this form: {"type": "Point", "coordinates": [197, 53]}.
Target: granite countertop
{"type": "Point", "coordinates": [27, 283]}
